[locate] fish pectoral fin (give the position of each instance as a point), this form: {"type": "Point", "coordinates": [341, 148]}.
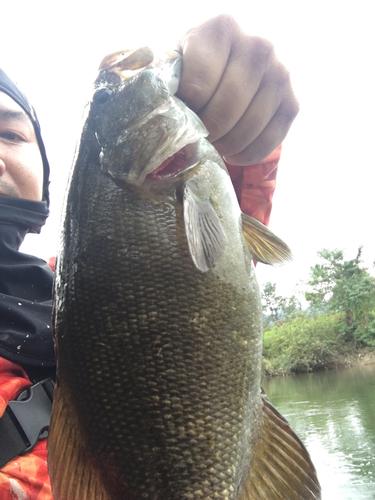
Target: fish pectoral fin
{"type": "Point", "coordinates": [69, 464]}
{"type": "Point", "coordinates": [263, 245]}
{"type": "Point", "coordinates": [281, 467]}
{"type": "Point", "coordinates": [204, 232]}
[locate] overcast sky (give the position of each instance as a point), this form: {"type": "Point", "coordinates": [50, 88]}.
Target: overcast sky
{"type": "Point", "coordinates": [325, 191]}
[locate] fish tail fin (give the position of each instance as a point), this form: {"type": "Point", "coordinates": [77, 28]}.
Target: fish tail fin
{"type": "Point", "coordinates": [263, 245]}
{"type": "Point", "coordinates": [72, 477]}
{"type": "Point", "coordinates": [281, 467]}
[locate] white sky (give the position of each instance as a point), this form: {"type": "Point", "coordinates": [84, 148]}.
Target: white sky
{"type": "Point", "coordinates": [325, 191]}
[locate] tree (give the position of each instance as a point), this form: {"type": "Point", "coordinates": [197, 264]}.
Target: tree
{"type": "Point", "coordinates": [290, 306]}
{"type": "Point", "coordinates": [343, 286]}
{"type": "Point", "coordinates": [323, 278]}
{"type": "Point", "coordinates": [271, 302]}
{"type": "Point", "coordinates": [277, 306]}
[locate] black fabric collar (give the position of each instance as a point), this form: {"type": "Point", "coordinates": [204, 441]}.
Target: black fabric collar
{"type": "Point", "coordinates": [25, 287]}
{"type": "Point", "coordinates": [32, 215]}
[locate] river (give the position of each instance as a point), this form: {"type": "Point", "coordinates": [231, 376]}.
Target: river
{"type": "Point", "coordinates": [333, 412]}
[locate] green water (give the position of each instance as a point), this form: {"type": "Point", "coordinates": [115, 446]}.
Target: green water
{"type": "Point", "coordinates": [333, 413]}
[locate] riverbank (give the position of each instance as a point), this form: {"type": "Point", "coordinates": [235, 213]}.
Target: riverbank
{"type": "Point", "coordinates": [306, 345]}
{"type": "Point", "coordinates": [348, 360]}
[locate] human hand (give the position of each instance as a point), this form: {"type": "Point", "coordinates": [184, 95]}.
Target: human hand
{"type": "Point", "coordinates": [239, 89]}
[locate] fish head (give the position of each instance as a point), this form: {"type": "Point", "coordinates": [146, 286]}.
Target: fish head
{"type": "Point", "coordinates": [138, 122]}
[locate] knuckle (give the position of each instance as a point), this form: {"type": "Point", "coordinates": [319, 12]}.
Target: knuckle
{"type": "Point", "coordinates": [294, 108]}
{"type": "Point", "coordinates": [264, 46]}
{"type": "Point", "coordinates": [281, 75]}
{"type": "Point", "coordinates": [278, 78]}
{"type": "Point", "coordinates": [283, 123]}
{"type": "Point", "coordinates": [280, 83]}
{"type": "Point", "coordinates": [289, 110]}
{"type": "Point", "coordinates": [224, 25]}
{"type": "Point", "coordinates": [194, 93]}
{"type": "Point", "coordinates": [261, 51]}
{"type": "Point", "coordinates": [255, 153]}
{"type": "Point", "coordinates": [231, 145]}
{"type": "Point", "coordinates": [222, 29]}
{"type": "Point", "coordinates": [216, 123]}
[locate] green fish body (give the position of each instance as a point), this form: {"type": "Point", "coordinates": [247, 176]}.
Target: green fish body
{"type": "Point", "coordinates": [158, 320]}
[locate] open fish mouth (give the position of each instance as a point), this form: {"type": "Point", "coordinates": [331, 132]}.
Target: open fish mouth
{"type": "Point", "coordinates": [181, 161]}
{"type": "Point", "coordinates": [143, 130]}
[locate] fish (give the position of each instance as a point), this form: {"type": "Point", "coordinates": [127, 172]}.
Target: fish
{"type": "Point", "coordinates": [157, 315]}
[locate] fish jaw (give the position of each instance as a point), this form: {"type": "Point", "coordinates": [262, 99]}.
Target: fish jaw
{"type": "Point", "coordinates": [179, 129]}
{"type": "Point", "coordinates": [139, 123]}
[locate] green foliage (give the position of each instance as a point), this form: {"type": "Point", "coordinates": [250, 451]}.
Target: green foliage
{"type": "Point", "coordinates": [271, 302]}
{"type": "Point", "coordinates": [302, 344]}
{"type": "Point", "coordinates": [341, 317]}
{"type": "Point", "coordinates": [323, 278]}
{"type": "Point", "coordinates": [277, 308]}
{"type": "Point", "coordinates": [290, 307]}
{"type": "Point", "coordinates": [347, 287]}
{"type": "Point", "coordinates": [365, 331]}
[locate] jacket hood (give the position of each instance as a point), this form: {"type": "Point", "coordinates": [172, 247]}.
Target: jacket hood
{"type": "Point", "coordinates": [10, 88]}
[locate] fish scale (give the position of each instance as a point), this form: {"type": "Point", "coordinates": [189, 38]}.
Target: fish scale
{"type": "Point", "coordinates": [157, 317]}
{"type": "Point", "coordinates": [156, 354]}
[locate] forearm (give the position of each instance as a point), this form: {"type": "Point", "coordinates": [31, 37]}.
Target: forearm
{"type": "Point", "coordinates": [255, 186]}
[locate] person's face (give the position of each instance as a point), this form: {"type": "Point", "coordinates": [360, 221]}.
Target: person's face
{"type": "Point", "coordinates": [21, 165]}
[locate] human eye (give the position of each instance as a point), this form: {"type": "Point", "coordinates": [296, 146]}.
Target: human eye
{"type": "Point", "coordinates": [11, 136]}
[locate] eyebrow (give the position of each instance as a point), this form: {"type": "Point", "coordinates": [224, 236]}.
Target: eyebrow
{"type": "Point", "coordinates": [8, 114]}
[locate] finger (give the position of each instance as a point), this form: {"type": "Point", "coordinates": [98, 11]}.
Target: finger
{"type": "Point", "coordinates": [249, 60]}
{"type": "Point", "coordinates": [269, 139]}
{"type": "Point", "coordinates": [206, 50]}
{"type": "Point", "coordinates": [274, 88]}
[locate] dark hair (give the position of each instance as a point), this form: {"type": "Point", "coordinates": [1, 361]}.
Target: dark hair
{"type": "Point", "coordinates": [11, 89]}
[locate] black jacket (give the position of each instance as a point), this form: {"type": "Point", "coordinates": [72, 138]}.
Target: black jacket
{"type": "Point", "coordinates": [25, 281]}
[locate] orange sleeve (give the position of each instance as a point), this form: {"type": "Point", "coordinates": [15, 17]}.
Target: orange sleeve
{"type": "Point", "coordinates": [25, 477]}
{"type": "Point", "coordinates": [255, 185]}
{"type": "Point", "coordinates": [13, 380]}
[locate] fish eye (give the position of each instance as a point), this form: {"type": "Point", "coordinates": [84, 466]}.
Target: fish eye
{"type": "Point", "coordinates": [102, 95]}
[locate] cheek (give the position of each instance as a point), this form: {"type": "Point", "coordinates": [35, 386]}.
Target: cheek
{"type": "Point", "coordinates": [30, 174]}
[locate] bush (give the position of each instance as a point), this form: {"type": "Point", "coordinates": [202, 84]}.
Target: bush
{"type": "Point", "coordinates": [303, 344]}
{"type": "Point", "coordinates": [365, 331]}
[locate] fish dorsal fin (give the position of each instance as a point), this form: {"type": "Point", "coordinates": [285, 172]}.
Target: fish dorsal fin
{"type": "Point", "coordinates": [204, 232]}
{"type": "Point", "coordinates": [281, 468]}
{"type": "Point", "coordinates": [69, 464]}
{"type": "Point", "coordinates": [263, 245]}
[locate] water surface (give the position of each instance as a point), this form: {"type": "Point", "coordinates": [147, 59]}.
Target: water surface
{"type": "Point", "coordinates": [333, 413]}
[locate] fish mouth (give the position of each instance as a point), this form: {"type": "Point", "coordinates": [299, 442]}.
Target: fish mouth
{"type": "Point", "coordinates": [173, 166]}
{"type": "Point", "coordinates": [186, 158]}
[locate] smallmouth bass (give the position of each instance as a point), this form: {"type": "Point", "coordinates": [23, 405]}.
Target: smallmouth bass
{"type": "Point", "coordinates": [157, 312]}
